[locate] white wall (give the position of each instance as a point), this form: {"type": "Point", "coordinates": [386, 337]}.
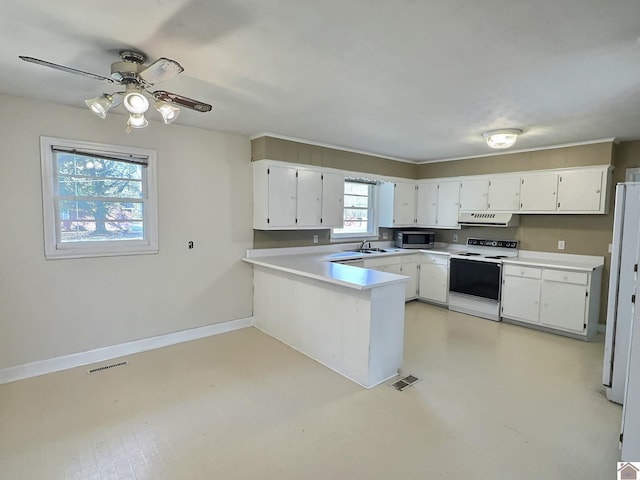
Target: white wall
{"type": "Point", "coordinates": [50, 308]}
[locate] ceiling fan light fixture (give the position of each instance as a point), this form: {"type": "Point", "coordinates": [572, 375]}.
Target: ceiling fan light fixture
{"type": "Point", "coordinates": [137, 120]}
{"type": "Point", "coordinates": [503, 138]}
{"type": "Point", "coordinates": [100, 105]}
{"type": "Point", "coordinates": [135, 102]}
{"type": "Point", "coordinates": [169, 112]}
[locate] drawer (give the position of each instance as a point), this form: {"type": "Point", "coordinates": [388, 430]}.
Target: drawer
{"type": "Point", "coordinates": [434, 258]}
{"type": "Point", "coordinates": [564, 276]}
{"type": "Point", "coordinates": [414, 257]}
{"type": "Point", "coordinates": [521, 271]}
{"type": "Point", "coordinates": [382, 261]}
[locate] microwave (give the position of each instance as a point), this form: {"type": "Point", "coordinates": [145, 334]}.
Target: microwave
{"type": "Point", "coordinates": [414, 239]}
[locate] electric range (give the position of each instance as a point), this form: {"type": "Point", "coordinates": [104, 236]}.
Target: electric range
{"type": "Point", "coordinates": [475, 276]}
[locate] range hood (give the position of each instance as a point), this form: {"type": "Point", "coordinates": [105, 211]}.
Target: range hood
{"type": "Point", "coordinates": [488, 219]}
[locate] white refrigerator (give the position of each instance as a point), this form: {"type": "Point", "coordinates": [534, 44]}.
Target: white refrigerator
{"type": "Point", "coordinates": [621, 372]}
{"type": "Point", "coordinates": [630, 430]}
{"type": "Point", "coordinates": [623, 278]}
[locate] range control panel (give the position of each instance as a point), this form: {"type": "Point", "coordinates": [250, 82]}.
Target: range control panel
{"type": "Point", "coordinates": [487, 242]}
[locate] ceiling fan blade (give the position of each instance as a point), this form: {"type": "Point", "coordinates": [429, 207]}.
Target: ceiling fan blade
{"type": "Point", "coordinates": [182, 101]}
{"type": "Point", "coordinates": [160, 70]}
{"type": "Point", "coordinates": [44, 63]}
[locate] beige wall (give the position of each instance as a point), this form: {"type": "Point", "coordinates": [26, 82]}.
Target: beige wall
{"type": "Point", "coordinates": [576, 156]}
{"type": "Point", "coordinates": [51, 308]}
{"type": "Point", "coordinates": [295, 152]}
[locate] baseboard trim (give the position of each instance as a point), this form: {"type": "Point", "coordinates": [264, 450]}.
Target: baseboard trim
{"type": "Point", "coordinates": [42, 367]}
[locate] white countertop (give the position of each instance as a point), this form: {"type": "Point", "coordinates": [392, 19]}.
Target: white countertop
{"type": "Point", "coordinates": [320, 266]}
{"type": "Point", "coordinates": [586, 263]}
{"type": "Point", "coordinates": [319, 262]}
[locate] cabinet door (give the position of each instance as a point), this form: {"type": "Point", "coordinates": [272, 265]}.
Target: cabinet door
{"type": "Point", "coordinates": [580, 191]}
{"type": "Point", "coordinates": [410, 269]}
{"type": "Point", "coordinates": [521, 298]}
{"type": "Point", "coordinates": [504, 194]}
{"type": "Point", "coordinates": [434, 282]}
{"type": "Point", "coordinates": [539, 192]}
{"type": "Point", "coordinates": [473, 195]}
{"type": "Point", "coordinates": [404, 204]}
{"type": "Point", "coordinates": [448, 204]}
{"type": "Point", "coordinates": [563, 306]}
{"type": "Point", "coordinates": [332, 199]}
{"type": "Point", "coordinates": [309, 210]}
{"type": "Point", "coordinates": [282, 197]}
{"type": "Point", "coordinates": [427, 204]}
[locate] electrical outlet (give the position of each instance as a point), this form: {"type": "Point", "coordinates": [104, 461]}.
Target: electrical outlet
{"type": "Point", "coordinates": [455, 237]}
{"type": "Point", "coordinates": [610, 249]}
{"type": "Point", "coordinates": [315, 239]}
{"type": "Point", "coordinates": [385, 235]}
{"type": "Point", "coordinates": [560, 244]}
{"type": "Point", "coordinates": [190, 245]}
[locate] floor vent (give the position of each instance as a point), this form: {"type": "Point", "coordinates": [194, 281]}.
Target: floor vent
{"type": "Point", "coordinates": [405, 382]}
{"type": "Point", "coordinates": [106, 367]}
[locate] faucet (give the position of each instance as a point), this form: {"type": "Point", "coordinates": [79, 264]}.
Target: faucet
{"type": "Point", "coordinates": [362, 244]}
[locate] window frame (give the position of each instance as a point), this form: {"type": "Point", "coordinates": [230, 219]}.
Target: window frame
{"type": "Point", "coordinates": [54, 248]}
{"type": "Point", "coordinates": [372, 214]}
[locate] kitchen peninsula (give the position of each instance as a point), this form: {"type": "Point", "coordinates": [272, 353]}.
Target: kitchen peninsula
{"type": "Point", "coordinates": [347, 318]}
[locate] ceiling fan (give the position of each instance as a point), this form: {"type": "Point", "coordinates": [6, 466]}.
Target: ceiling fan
{"type": "Point", "coordinates": [137, 78]}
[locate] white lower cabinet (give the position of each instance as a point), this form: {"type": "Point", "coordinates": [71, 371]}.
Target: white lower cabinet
{"type": "Point", "coordinates": [521, 293]}
{"type": "Point", "coordinates": [564, 300]}
{"type": "Point", "coordinates": [434, 278]}
{"type": "Point", "coordinates": [400, 265]}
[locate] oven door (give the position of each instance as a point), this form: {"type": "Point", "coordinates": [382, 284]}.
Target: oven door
{"type": "Point", "coordinates": [475, 277]}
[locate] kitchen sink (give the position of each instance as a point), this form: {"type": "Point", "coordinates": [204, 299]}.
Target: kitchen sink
{"type": "Point", "coordinates": [373, 250]}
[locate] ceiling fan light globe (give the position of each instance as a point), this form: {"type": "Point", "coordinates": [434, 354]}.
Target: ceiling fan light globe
{"type": "Point", "coordinates": [137, 120]}
{"type": "Point", "coordinates": [135, 102]}
{"type": "Point", "coordinates": [100, 105]}
{"type": "Point", "coordinates": [169, 112]}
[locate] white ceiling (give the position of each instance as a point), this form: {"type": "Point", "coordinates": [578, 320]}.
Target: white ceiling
{"type": "Point", "coordinates": [411, 79]}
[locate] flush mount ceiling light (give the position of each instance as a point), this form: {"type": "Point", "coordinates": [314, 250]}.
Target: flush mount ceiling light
{"type": "Point", "coordinates": [503, 138]}
{"type": "Point", "coordinates": [137, 78]}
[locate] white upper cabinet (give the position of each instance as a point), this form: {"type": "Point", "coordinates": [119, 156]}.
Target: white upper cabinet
{"type": "Point", "coordinates": [438, 204]}
{"type": "Point", "coordinates": [580, 191]}
{"type": "Point", "coordinates": [397, 204]}
{"type": "Point", "coordinates": [427, 204]}
{"type": "Point", "coordinates": [574, 190]}
{"type": "Point", "coordinates": [290, 197]}
{"type": "Point", "coordinates": [309, 194]}
{"type": "Point", "coordinates": [332, 199]}
{"type": "Point", "coordinates": [504, 194]}
{"type": "Point", "coordinates": [448, 204]}
{"type": "Point", "coordinates": [274, 196]}
{"type": "Point", "coordinates": [474, 195]}
{"type": "Point", "coordinates": [538, 192]}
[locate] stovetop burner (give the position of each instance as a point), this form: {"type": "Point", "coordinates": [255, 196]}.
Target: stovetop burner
{"type": "Point", "coordinates": [489, 249]}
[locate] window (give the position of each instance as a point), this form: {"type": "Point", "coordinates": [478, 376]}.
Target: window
{"type": "Point", "coordinates": [98, 200]}
{"type": "Point", "coordinates": [359, 219]}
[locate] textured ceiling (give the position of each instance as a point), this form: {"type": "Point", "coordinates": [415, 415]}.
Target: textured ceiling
{"type": "Point", "coordinates": [411, 79]}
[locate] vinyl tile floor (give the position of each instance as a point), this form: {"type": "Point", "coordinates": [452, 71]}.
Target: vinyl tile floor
{"type": "Point", "coordinates": [494, 401]}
